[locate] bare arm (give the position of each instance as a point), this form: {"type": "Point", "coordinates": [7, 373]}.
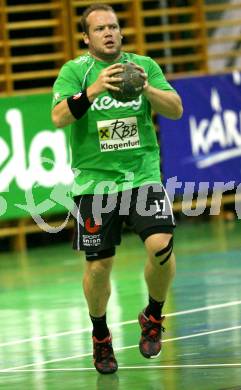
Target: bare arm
{"type": "Point", "coordinates": [166, 103]}
{"type": "Point", "coordinates": [61, 114]}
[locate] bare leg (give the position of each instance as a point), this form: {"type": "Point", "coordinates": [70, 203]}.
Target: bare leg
{"type": "Point", "coordinates": [96, 285]}
{"type": "Point", "coordinates": [158, 277]}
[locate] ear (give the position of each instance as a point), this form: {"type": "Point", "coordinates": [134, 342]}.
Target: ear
{"type": "Point", "coordinates": [85, 38]}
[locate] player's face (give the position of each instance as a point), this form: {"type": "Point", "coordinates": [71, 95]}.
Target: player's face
{"type": "Point", "coordinates": [104, 37]}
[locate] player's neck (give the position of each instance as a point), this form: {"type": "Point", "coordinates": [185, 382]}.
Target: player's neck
{"type": "Point", "coordinates": [106, 58]}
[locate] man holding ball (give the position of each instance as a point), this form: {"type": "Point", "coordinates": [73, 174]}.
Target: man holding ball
{"type": "Point", "coordinates": [113, 141]}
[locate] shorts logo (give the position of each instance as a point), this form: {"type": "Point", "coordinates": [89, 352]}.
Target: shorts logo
{"type": "Point", "coordinates": [160, 208]}
{"type": "Point", "coordinates": [91, 229]}
{"type": "Point", "coordinates": [118, 134]}
{"type": "Point", "coordinates": [91, 240]}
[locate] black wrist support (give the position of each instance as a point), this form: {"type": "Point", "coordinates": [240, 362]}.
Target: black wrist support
{"type": "Point", "coordinates": [78, 104]}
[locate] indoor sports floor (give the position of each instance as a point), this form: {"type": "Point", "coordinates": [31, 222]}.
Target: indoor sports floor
{"type": "Point", "coordinates": [45, 339]}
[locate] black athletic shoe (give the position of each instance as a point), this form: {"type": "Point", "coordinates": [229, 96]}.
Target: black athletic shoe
{"type": "Point", "coordinates": [150, 341]}
{"type": "Point", "coordinates": [103, 354]}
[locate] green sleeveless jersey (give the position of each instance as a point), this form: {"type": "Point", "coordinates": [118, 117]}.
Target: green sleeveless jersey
{"type": "Point", "coordinates": [114, 145]}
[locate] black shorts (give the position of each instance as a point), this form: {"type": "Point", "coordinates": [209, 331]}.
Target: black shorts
{"type": "Point", "coordinates": [99, 218]}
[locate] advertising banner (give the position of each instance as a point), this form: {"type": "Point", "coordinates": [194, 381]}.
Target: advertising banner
{"type": "Point", "coordinates": [204, 146]}
{"type": "Point", "coordinates": [34, 158]}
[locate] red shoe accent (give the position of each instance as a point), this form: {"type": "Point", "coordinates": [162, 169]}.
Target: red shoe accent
{"type": "Point", "coordinates": [103, 354]}
{"type": "Point", "coordinates": [150, 341]}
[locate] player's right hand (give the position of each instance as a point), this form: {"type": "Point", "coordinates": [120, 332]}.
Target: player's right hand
{"type": "Point", "coordinates": [105, 80]}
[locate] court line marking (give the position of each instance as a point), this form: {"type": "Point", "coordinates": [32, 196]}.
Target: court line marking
{"type": "Point", "coordinates": [211, 365]}
{"type": "Point", "coordinates": [121, 349]}
{"type": "Point", "coordinates": [118, 324]}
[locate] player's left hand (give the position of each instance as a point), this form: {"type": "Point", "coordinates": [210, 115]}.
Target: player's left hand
{"type": "Point", "coordinates": [143, 74]}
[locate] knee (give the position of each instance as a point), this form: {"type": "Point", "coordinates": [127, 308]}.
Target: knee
{"type": "Point", "coordinates": [99, 268]}
{"type": "Point", "coordinates": [165, 252]}
{"type": "Point", "coordinates": [161, 250]}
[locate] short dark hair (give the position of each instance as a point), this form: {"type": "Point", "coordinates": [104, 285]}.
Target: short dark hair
{"type": "Point", "coordinates": [91, 8]}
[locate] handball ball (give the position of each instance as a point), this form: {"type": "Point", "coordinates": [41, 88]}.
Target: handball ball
{"type": "Point", "coordinates": [131, 85]}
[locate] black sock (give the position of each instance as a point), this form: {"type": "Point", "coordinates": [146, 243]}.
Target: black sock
{"type": "Point", "coordinates": [154, 308]}
{"type": "Point", "coordinates": [100, 329]}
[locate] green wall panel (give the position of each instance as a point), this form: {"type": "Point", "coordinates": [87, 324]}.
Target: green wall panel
{"type": "Point", "coordinates": [34, 158]}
